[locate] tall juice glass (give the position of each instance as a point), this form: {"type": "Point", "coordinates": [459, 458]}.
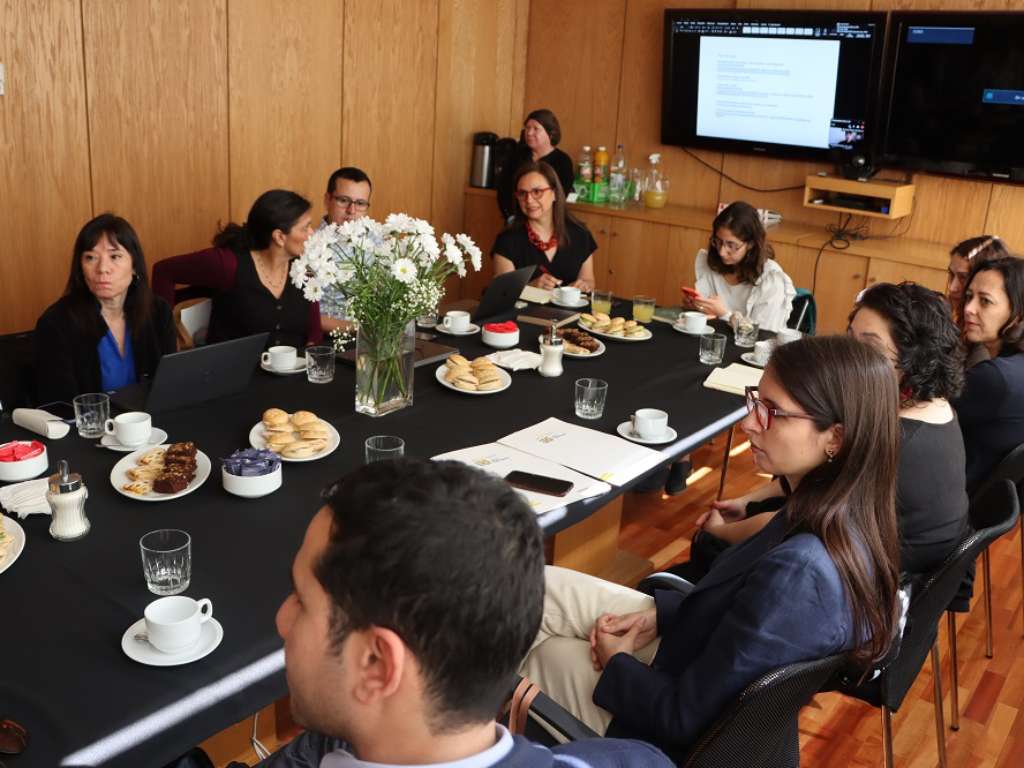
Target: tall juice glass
{"type": "Point", "coordinates": [643, 309]}
{"type": "Point", "coordinates": [601, 301]}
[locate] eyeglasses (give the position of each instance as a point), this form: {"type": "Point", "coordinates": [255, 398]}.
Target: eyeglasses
{"type": "Point", "coordinates": [764, 413]}
{"type": "Point", "coordinates": [726, 245]}
{"type": "Point", "coordinates": [536, 193]}
{"type": "Point", "coordinates": [344, 201]}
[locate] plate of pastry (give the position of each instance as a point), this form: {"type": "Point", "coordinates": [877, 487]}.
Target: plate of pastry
{"type": "Point", "coordinates": [476, 377]}
{"type": "Point", "coordinates": [299, 436]}
{"type": "Point", "coordinates": [618, 328]}
{"type": "Point", "coordinates": [12, 541]}
{"type": "Point", "coordinates": [161, 473]}
{"type": "Point", "coordinates": [580, 344]}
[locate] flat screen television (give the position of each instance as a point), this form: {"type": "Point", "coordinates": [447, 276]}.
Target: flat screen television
{"type": "Point", "coordinates": [800, 84]}
{"type": "Point", "coordinates": [956, 98]}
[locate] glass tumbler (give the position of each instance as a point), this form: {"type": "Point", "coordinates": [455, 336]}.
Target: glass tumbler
{"type": "Point", "coordinates": [384, 447]}
{"type": "Point", "coordinates": [320, 364]}
{"type": "Point", "coordinates": [91, 413]}
{"type": "Point", "coordinates": [166, 561]}
{"type": "Point", "coordinates": [591, 395]}
{"type": "Point", "coordinates": [712, 348]}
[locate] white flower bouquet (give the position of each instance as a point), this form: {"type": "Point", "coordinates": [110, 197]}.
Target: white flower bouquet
{"type": "Point", "coordinates": [390, 273]}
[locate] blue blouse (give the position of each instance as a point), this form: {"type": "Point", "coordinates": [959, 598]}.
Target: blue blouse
{"type": "Point", "coordinates": [116, 371]}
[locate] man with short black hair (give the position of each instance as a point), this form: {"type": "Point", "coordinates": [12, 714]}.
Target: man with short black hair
{"type": "Point", "coordinates": [347, 199]}
{"type": "Point", "coordinates": [418, 590]}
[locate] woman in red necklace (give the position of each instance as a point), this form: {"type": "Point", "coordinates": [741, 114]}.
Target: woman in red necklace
{"type": "Point", "coordinates": [543, 233]}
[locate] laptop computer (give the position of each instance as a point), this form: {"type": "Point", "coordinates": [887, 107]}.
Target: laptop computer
{"type": "Point", "coordinates": [195, 376]}
{"type": "Point", "coordinates": [503, 293]}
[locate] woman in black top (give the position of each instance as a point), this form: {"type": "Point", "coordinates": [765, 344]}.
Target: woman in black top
{"type": "Point", "coordinates": [108, 329]}
{"type": "Point", "coordinates": [545, 234]}
{"type": "Point", "coordinates": [537, 143]}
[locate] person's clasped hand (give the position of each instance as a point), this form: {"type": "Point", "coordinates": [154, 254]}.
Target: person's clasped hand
{"type": "Point", "coordinates": [614, 634]}
{"type": "Point", "coordinates": [546, 282]}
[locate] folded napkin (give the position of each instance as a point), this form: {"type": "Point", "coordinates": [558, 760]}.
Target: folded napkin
{"type": "Point", "coordinates": [41, 422]}
{"type": "Point", "coordinates": [27, 498]}
{"type": "Point", "coordinates": [515, 359]}
{"type": "Point", "coordinates": [734, 379]}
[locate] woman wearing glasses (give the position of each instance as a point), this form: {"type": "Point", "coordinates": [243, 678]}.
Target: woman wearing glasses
{"type": "Point", "coordinates": [662, 669]}
{"type": "Point", "coordinates": [538, 142]}
{"type": "Point", "coordinates": [544, 234]}
{"type": "Point", "coordinates": [737, 272]}
{"type": "Point", "coordinates": [246, 271]}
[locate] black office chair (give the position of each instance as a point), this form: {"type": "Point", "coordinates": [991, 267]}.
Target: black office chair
{"type": "Point", "coordinates": [804, 315]}
{"type": "Point", "coordinates": [996, 512]}
{"type": "Point", "coordinates": [16, 371]}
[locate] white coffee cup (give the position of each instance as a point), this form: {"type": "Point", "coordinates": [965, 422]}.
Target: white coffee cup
{"type": "Point", "coordinates": [786, 335]}
{"type": "Point", "coordinates": [567, 294]}
{"type": "Point", "coordinates": [174, 623]}
{"type": "Point", "coordinates": [649, 423]}
{"type": "Point", "coordinates": [456, 321]}
{"type": "Point", "coordinates": [280, 358]}
{"type": "Point", "coordinates": [132, 428]}
{"type": "Point", "coordinates": [763, 351]}
{"type": "Point", "coordinates": [693, 322]}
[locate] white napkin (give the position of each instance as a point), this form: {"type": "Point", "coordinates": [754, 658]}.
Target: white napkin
{"type": "Point", "coordinates": [27, 498]}
{"type": "Point", "coordinates": [515, 359]}
{"type": "Point", "coordinates": [734, 379]}
{"type": "Point", "coordinates": [41, 422]}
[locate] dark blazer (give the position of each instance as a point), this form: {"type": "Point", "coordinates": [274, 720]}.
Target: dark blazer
{"type": "Point", "coordinates": [766, 603]}
{"type": "Point", "coordinates": [67, 362]}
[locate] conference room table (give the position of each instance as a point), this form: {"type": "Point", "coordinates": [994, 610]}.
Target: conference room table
{"type": "Point", "coordinates": [66, 605]}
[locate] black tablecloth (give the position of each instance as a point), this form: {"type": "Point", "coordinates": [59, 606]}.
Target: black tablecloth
{"type": "Point", "coordinates": [67, 605]}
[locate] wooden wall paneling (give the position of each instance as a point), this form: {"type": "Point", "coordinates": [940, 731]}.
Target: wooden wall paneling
{"type": "Point", "coordinates": [482, 222]}
{"type": "Point", "coordinates": [600, 230]}
{"type": "Point", "coordinates": [284, 87]}
{"type": "Point", "coordinates": [840, 278]}
{"type": "Point", "coordinates": [770, 173]}
{"type": "Point", "coordinates": [1005, 216]}
{"type": "Point", "coordinates": [573, 65]}
{"type": "Point", "coordinates": [156, 74]}
{"type": "Point", "coordinates": [683, 244]}
{"type": "Point", "coordinates": [842, 5]}
{"type": "Point", "coordinates": [475, 59]}
{"type": "Point", "coordinates": [946, 210]}
{"type": "Point", "coordinates": [796, 262]}
{"type": "Point", "coordinates": [639, 120]}
{"type": "Point", "coordinates": [520, 50]}
{"type": "Point", "coordinates": [44, 171]}
{"type": "Point", "coordinates": [884, 271]}
{"type": "Point", "coordinates": [946, 5]}
{"type": "Point", "coordinates": [637, 254]}
{"type": "Point", "coordinates": [390, 69]}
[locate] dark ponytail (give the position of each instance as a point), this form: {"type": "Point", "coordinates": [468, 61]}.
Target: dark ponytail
{"type": "Point", "coordinates": [276, 209]}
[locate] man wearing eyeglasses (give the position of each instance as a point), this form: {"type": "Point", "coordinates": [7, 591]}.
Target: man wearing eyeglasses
{"type": "Point", "coordinates": [347, 198]}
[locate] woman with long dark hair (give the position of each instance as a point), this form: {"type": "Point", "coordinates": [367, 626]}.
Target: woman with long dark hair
{"type": "Point", "coordinates": [107, 330]}
{"type": "Point", "coordinates": [737, 272]}
{"type": "Point", "coordinates": [247, 273]}
{"type": "Point", "coordinates": [545, 234]}
{"type": "Point", "coordinates": [962, 257]}
{"type": "Point", "coordinates": [820, 579]}
{"type": "Point", "coordinates": [538, 142]}
{"type": "Point", "coordinates": [991, 410]}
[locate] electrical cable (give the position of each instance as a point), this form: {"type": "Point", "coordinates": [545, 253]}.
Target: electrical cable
{"type": "Point", "coordinates": [738, 183]}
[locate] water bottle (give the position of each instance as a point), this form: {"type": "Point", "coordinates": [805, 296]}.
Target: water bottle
{"type": "Point", "coordinates": [618, 181]}
{"type": "Point", "coordinates": [586, 167]}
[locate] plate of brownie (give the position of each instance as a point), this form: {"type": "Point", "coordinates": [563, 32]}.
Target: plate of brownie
{"type": "Point", "coordinates": [161, 473]}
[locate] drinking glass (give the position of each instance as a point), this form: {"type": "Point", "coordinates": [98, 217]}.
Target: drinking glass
{"type": "Point", "coordinates": [591, 395]}
{"type": "Point", "coordinates": [712, 348]}
{"type": "Point", "coordinates": [166, 561]}
{"type": "Point", "coordinates": [746, 332]}
{"type": "Point", "coordinates": [320, 364]}
{"type": "Point", "coordinates": [384, 447]}
{"type": "Point", "coordinates": [643, 309]}
{"type": "Point", "coordinates": [601, 301]}
{"type": "Point", "coordinates": [91, 414]}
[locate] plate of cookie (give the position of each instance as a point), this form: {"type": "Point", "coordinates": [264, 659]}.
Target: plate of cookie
{"type": "Point", "coordinates": [618, 328]}
{"type": "Point", "coordinates": [161, 473]}
{"type": "Point", "coordinates": [580, 344]}
{"type": "Point", "coordinates": [299, 436]}
{"type": "Point", "coordinates": [476, 377]}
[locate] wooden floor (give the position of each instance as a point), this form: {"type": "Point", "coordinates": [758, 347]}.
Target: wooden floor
{"type": "Point", "coordinates": [838, 732]}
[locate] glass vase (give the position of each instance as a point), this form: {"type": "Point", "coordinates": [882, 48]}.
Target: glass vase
{"type": "Point", "coordinates": [384, 368]}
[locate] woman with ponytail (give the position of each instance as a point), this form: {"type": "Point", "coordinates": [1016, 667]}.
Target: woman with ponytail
{"type": "Point", "coordinates": [247, 273]}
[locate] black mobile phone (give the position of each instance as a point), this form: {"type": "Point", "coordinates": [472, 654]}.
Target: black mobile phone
{"type": "Point", "coordinates": [550, 486]}
{"type": "Point", "coordinates": [60, 410]}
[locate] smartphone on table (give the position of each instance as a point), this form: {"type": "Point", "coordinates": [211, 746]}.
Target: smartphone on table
{"type": "Point", "coordinates": [527, 481]}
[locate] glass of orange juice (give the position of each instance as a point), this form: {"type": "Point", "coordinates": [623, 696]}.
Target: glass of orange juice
{"type": "Point", "coordinates": [643, 309]}
{"type": "Point", "coordinates": [601, 301]}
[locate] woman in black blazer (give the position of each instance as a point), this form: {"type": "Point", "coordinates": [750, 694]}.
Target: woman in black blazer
{"type": "Point", "coordinates": [108, 329]}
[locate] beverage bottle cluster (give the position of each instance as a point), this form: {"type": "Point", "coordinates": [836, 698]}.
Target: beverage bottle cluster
{"type": "Point", "coordinates": [604, 179]}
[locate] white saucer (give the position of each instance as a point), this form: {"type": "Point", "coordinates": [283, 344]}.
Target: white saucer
{"type": "Point", "coordinates": [209, 638]}
{"type": "Point", "coordinates": [473, 328]}
{"type": "Point", "coordinates": [156, 437]}
{"type": "Point", "coordinates": [626, 430]}
{"type": "Point", "coordinates": [704, 332]}
{"type": "Point", "coordinates": [580, 303]}
{"type": "Point", "coordinates": [300, 366]}
{"type": "Point", "coordinates": [749, 359]}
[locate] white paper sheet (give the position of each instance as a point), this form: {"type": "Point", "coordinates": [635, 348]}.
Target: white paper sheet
{"type": "Point", "coordinates": [598, 454]}
{"type": "Point", "coordinates": [500, 460]}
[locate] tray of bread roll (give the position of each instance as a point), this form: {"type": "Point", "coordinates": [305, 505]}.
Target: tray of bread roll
{"type": "Point", "coordinates": [299, 436]}
{"type": "Point", "coordinates": [618, 328]}
{"type": "Point", "coordinates": [162, 473]}
{"type": "Point", "coordinates": [473, 377]}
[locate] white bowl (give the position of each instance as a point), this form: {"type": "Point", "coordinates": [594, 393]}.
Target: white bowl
{"type": "Point", "coordinates": [26, 469]}
{"type": "Point", "coordinates": [499, 340]}
{"type": "Point", "coordinates": [251, 487]}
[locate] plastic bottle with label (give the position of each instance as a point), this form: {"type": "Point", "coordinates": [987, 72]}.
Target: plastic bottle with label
{"type": "Point", "coordinates": [655, 184]}
{"type": "Point", "coordinates": [618, 179]}
{"type": "Point", "coordinates": [585, 170]}
{"type": "Point", "coordinates": [601, 164]}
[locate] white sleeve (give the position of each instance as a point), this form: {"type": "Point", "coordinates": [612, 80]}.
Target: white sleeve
{"type": "Point", "coordinates": [772, 298]}
{"type": "Point", "coordinates": [703, 282]}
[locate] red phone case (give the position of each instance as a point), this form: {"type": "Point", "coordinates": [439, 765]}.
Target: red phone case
{"type": "Point", "coordinates": [692, 292]}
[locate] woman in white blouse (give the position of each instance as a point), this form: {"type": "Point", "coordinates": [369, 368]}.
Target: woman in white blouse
{"type": "Point", "coordinates": [738, 274]}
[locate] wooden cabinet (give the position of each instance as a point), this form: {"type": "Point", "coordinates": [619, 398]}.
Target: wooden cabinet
{"type": "Point", "coordinates": [637, 255]}
{"type": "Point", "coordinates": [885, 271]}
{"type": "Point", "coordinates": [840, 277]}
{"type": "Point", "coordinates": [600, 229]}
